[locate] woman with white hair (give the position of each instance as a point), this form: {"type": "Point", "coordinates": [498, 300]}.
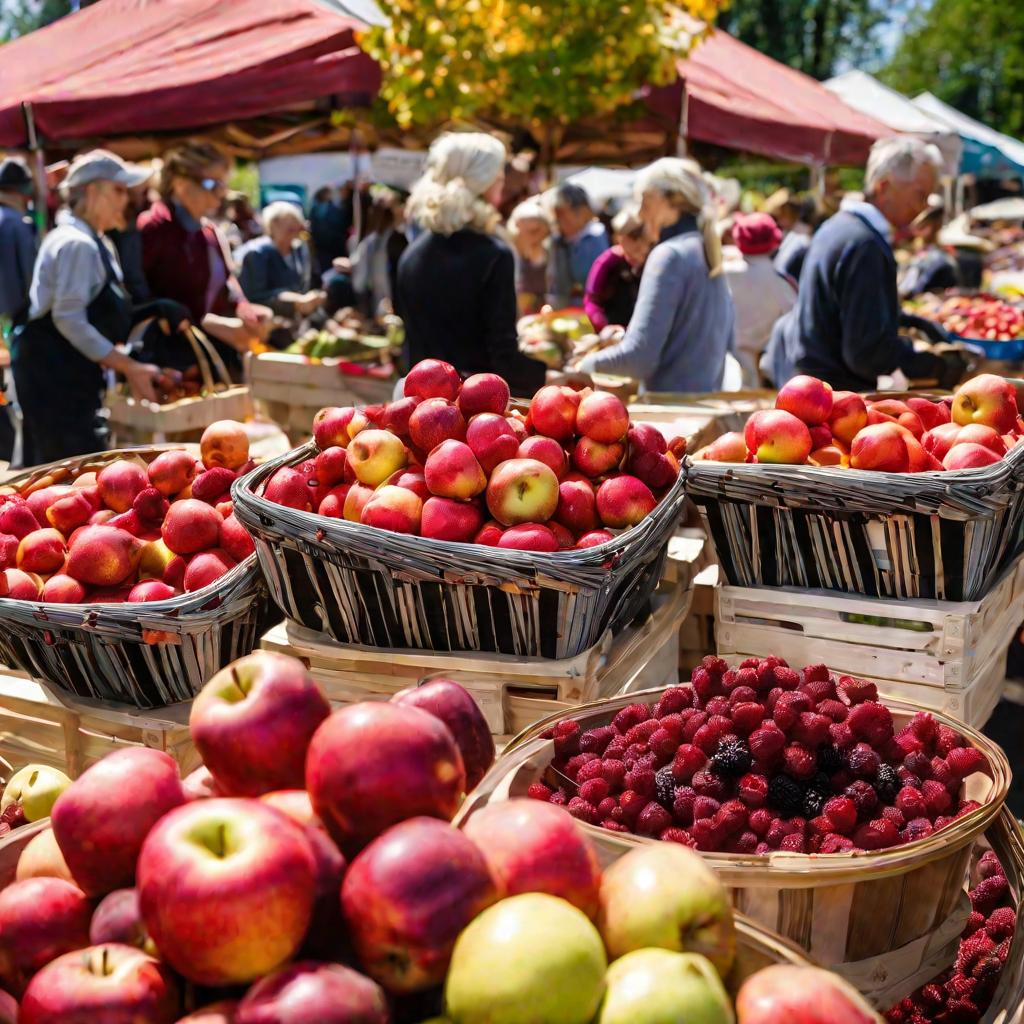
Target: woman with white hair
{"type": "Point", "coordinates": [277, 268]}
{"type": "Point", "coordinates": [79, 313]}
{"type": "Point", "coordinates": [683, 323]}
{"type": "Point", "coordinates": [456, 282]}
{"type": "Point", "coordinates": [529, 227]}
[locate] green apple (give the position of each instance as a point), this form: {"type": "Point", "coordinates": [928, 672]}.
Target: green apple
{"type": "Point", "coordinates": [528, 958]}
{"type": "Point", "coordinates": [36, 787]}
{"type": "Point", "coordinates": [663, 895]}
{"type": "Point", "coordinates": [656, 986]}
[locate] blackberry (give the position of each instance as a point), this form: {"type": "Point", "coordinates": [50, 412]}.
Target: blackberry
{"type": "Point", "coordinates": [665, 787]}
{"type": "Point", "coordinates": [821, 784]}
{"type": "Point", "coordinates": [887, 783]}
{"type": "Point", "coordinates": [731, 760]}
{"type": "Point", "coordinates": [786, 795]}
{"type": "Point", "coordinates": [830, 759]}
{"type": "Point", "coordinates": [813, 803]}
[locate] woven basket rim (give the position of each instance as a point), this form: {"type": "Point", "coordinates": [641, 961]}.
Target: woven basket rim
{"type": "Point", "coordinates": [801, 870]}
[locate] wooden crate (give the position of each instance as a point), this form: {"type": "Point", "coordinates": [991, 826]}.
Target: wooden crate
{"type": "Point", "coordinates": [697, 633]}
{"type": "Point", "coordinates": [71, 734]}
{"type": "Point", "coordinates": [137, 422]}
{"type": "Point", "coordinates": [949, 656]}
{"type": "Point", "coordinates": [512, 692]}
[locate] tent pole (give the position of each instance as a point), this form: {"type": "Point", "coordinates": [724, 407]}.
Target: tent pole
{"type": "Point", "coordinates": [40, 167]}
{"type": "Point", "coordinates": [684, 118]}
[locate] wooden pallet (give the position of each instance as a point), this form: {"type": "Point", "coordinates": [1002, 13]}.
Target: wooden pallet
{"type": "Point", "coordinates": [512, 692]}
{"type": "Point", "coordinates": [71, 734]}
{"type": "Point", "coordinates": [697, 633]}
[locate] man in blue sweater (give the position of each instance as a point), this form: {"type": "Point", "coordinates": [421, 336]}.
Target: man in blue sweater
{"type": "Point", "coordinates": [844, 327]}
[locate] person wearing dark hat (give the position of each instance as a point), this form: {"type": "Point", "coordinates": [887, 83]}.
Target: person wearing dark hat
{"type": "Point", "coordinates": [17, 239]}
{"type": "Point", "coordinates": [760, 292]}
{"type": "Point", "coordinates": [79, 312]}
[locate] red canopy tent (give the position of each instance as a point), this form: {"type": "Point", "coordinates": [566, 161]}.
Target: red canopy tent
{"type": "Point", "coordinates": [738, 98]}
{"type": "Point", "coordinates": [129, 66]}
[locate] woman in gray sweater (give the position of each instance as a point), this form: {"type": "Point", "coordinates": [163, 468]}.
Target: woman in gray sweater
{"type": "Point", "coordinates": [684, 322]}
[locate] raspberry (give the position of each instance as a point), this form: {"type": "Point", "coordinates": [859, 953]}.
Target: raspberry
{"type": "Point", "coordinates": [941, 772]}
{"type": "Point", "coordinates": [842, 735]}
{"type": "Point", "coordinates": [742, 695]}
{"type": "Point", "coordinates": [895, 815]}
{"type": "Point", "coordinates": [683, 805]}
{"type": "Point", "coordinates": [745, 842]}
{"type": "Point", "coordinates": [799, 761]}
{"type": "Point", "coordinates": [876, 835]}
{"type": "Point", "coordinates": [746, 677]}
{"type": "Point", "coordinates": [595, 741]}
{"type": "Point", "coordinates": [925, 728]}
{"type": "Point", "coordinates": [715, 665]}
{"type": "Point", "coordinates": [583, 810]}
{"type": "Point", "coordinates": [819, 690]}
{"type": "Point", "coordinates": [841, 811]}
{"type": "Point", "coordinates": [762, 848]}
{"type": "Point", "coordinates": [614, 773]}
{"type": "Point", "coordinates": [577, 762]}
{"type": "Point", "coordinates": [920, 764]}
{"type": "Point", "coordinates": [972, 950]}
{"type": "Point", "coordinates": [907, 777]}
{"type": "Point", "coordinates": [911, 802]}
{"type": "Point", "coordinates": [665, 787]}
{"type": "Point", "coordinates": [988, 968]}
{"type": "Point", "coordinates": [787, 678]}
{"type": "Point", "coordinates": [594, 791]}
{"type": "Point", "coordinates": [559, 798]}
{"type": "Point", "coordinates": [793, 843]}
{"type": "Point", "coordinates": [778, 831]}
{"type": "Point", "coordinates": [708, 784]}
{"type": "Point", "coordinates": [835, 844]}
{"type": "Point", "coordinates": [693, 725]}
{"type": "Point", "coordinates": [974, 922]}
{"type": "Point", "coordinates": [717, 706]}
{"type": "Point", "coordinates": [538, 791]}
{"type": "Point", "coordinates": [567, 738]}
{"type": "Point", "coordinates": [788, 708]}
{"type": "Point", "coordinates": [733, 817]}
{"type": "Point", "coordinates": [786, 795]}
{"type": "Point", "coordinates": [989, 865]}
{"type": "Point", "coordinates": [871, 722]}
{"type": "Point", "coordinates": [908, 742]}
{"type": "Point", "coordinates": [731, 759]}
{"type": "Point", "coordinates": [640, 780]}
{"type": "Point", "coordinates": [863, 795]}
{"type": "Point", "coordinates": [643, 731]}
{"type": "Point", "coordinates": [688, 761]}
{"type": "Point", "coordinates": [653, 820]}
{"type": "Point", "coordinates": [616, 750]}
{"type": "Point", "coordinates": [752, 789]}
{"type": "Point", "coordinates": [863, 761]}
{"type": "Point", "coordinates": [812, 729]}
{"type": "Point", "coordinates": [673, 725]}
{"type": "Point", "coordinates": [613, 826]}
{"type": "Point", "coordinates": [591, 770]}
{"type": "Point", "coordinates": [747, 717]}
{"type": "Point", "coordinates": [674, 699]}
{"type": "Point", "coordinates": [817, 672]}
{"type": "Point", "coordinates": [855, 691]}
{"type": "Point", "coordinates": [987, 895]}
{"type": "Point", "coordinates": [606, 806]}
{"type": "Point", "coordinates": [631, 804]}
{"type": "Point", "coordinates": [1001, 923]}
{"type": "Point", "coordinates": [834, 710]}
{"type": "Point", "coordinates": [964, 761]}
{"type": "Point", "coordinates": [705, 807]}
{"type": "Point", "coordinates": [703, 683]}
{"type": "Point", "coordinates": [761, 821]}
{"type": "Point", "coordinates": [960, 987]}
{"type": "Point", "coordinates": [705, 836]}
{"type": "Point", "coordinates": [676, 835]}
{"type": "Point", "coordinates": [1003, 949]}
{"type": "Point", "coordinates": [632, 714]}
{"type": "Point", "coordinates": [767, 742]}
{"type": "Point", "coordinates": [948, 739]}
{"type": "Point", "coordinates": [663, 746]}
{"type": "Point", "coordinates": [936, 797]}
{"type": "Point", "coordinates": [820, 826]}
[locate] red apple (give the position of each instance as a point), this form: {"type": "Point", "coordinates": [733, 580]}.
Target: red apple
{"type": "Point", "coordinates": [986, 399]}
{"type": "Point", "coordinates": [433, 378]}
{"type": "Point", "coordinates": [492, 440]}
{"type": "Point", "coordinates": [205, 568]}
{"type": "Point", "coordinates": [553, 411]}
{"type": "Point", "coordinates": [374, 455]}
{"type": "Point", "coordinates": [39, 501]}
{"type": "Point", "coordinates": [940, 439]}
{"type": "Point", "coordinates": [931, 414]}
{"type": "Point", "coordinates": [118, 919]}
{"type": "Point", "coordinates": [41, 858]}
{"type": "Point", "coordinates": [68, 513]}
{"type": "Point", "coordinates": [880, 447]}
{"type": "Point", "coordinates": [546, 450]}
{"type": "Point", "coordinates": [102, 818]}
{"type": "Point", "coordinates": [777, 436]}
{"type": "Point", "coordinates": [193, 525]}
{"type": "Point", "coordinates": [332, 505]}
{"type": "Point", "coordinates": [849, 415]}
{"type": "Point", "coordinates": [235, 539]}
{"type": "Point", "coordinates": [565, 537]}
{"type": "Point", "coordinates": [336, 426]}
{"type": "Point", "coordinates": [111, 984]}
{"type": "Point", "coordinates": [594, 459]}
{"type": "Point", "coordinates": [120, 482]}
{"type": "Point", "coordinates": [434, 421]}
{"type": "Point", "coordinates": [730, 447]}
{"type": "Point", "coordinates": [200, 785]}
{"type": "Point", "coordinates": [221, 1012]}
{"type": "Point", "coordinates": [970, 456]}
{"type": "Point", "coordinates": [61, 589]}
{"type": "Point", "coordinates": [104, 556]}
{"type": "Point", "coordinates": [42, 551]}
{"type": "Point", "coordinates": [532, 846]}
{"type": "Point", "coordinates": [489, 534]}
{"type": "Point", "coordinates": [396, 415]}
{"type": "Point", "coordinates": [623, 501]}
{"type": "Point", "coordinates": [447, 519]}
{"type": "Point", "coordinates": [644, 437]}
{"type": "Point", "coordinates": [454, 705]}
{"type": "Point", "coordinates": [518, 425]}
{"type": "Point", "coordinates": [253, 721]}
{"type": "Point", "coordinates": [21, 586]}
{"type": "Point", "coordinates": [288, 487]}
{"type": "Point", "coordinates": [214, 485]}
{"type": "Point", "coordinates": [483, 392]}
{"type": "Point", "coordinates": [148, 590]}
{"type": "Point", "coordinates": [355, 501]}
{"type": "Point", "coordinates": [17, 519]}
{"type": "Point", "coordinates": [602, 417]}
{"type": "Point", "coordinates": [800, 995]}
{"type": "Point", "coordinates": [529, 537]}
{"type": "Point", "coordinates": [522, 491]}
{"type": "Point", "coordinates": [330, 465]}
{"type": "Point", "coordinates": [225, 443]}
{"type": "Point", "coordinates": [412, 479]}
{"type": "Point", "coordinates": [150, 506]}
{"type": "Point", "coordinates": [171, 472]}
{"type": "Point", "coordinates": [393, 508]}
{"type": "Point", "coordinates": [452, 471]}
{"type": "Point", "coordinates": [594, 538]}
{"type": "Point", "coordinates": [577, 504]}
{"type": "Point", "coordinates": [309, 991]}
{"type": "Point", "coordinates": [226, 888]}
{"type": "Point", "coordinates": [40, 920]}
{"type": "Point", "coordinates": [8, 550]}
{"type": "Point", "coordinates": [807, 398]}
{"type": "Point", "coordinates": [978, 433]}
{"type": "Point", "coordinates": [372, 765]}
{"type": "Point", "coordinates": [407, 896]}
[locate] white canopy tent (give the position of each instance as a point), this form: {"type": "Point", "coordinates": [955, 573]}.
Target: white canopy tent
{"type": "Point", "coordinates": [993, 151]}
{"type": "Point", "coordinates": [865, 93]}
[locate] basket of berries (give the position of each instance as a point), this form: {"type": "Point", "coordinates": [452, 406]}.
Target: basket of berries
{"type": "Point", "coordinates": [126, 578]}
{"type": "Point", "coordinates": [844, 822]}
{"type": "Point", "coordinates": [446, 521]}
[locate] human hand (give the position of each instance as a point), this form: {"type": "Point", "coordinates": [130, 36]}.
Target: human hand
{"type": "Point", "coordinates": [342, 264]}
{"type": "Point", "coordinates": [140, 380]}
{"type": "Point", "coordinates": [310, 302]}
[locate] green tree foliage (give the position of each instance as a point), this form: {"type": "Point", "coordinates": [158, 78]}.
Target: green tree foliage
{"type": "Point", "coordinates": [536, 65]}
{"type": "Point", "coordinates": [814, 36]}
{"type": "Point", "coordinates": [19, 17]}
{"type": "Point", "coordinates": [969, 53]}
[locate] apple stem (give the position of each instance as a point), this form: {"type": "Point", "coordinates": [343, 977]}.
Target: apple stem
{"type": "Point", "coordinates": [221, 843]}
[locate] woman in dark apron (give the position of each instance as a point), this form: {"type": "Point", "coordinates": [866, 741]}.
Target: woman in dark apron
{"type": "Point", "coordinates": [79, 312]}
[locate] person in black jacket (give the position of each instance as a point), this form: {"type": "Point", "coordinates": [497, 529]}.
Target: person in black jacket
{"type": "Point", "coordinates": [456, 289]}
{"type": "Point", "coordinates": [844, 327]}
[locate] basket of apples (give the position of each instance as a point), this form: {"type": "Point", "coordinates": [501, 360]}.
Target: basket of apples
{"type": "Point", "coordinates": [311, 875]}
{"type": "Point", "coordinates": [843, 820]}
{"type": "Point", "coordinates": [446, 521]}
{"type": "Point", "coordinates": [886, 496]}
{"type": "Point", "coordinates": [125, 575]}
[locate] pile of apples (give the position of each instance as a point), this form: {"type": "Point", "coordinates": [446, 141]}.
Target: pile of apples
{"type": "Point", "coordinates": [308, 874]}
{"type": "Point", "coordinates": [29, 796]}
{"type": "Point", "coordinates": [131, 532]}
{"type": "Point", "coordinates": [450, 462]}
{"type": "Point", "coordinates": [813, 425]}
{"type": "Point", "coordinates": [984, 317]}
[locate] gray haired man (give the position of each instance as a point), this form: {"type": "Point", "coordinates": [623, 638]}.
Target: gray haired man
{"type": "Point", "coordinates": [580, 238]}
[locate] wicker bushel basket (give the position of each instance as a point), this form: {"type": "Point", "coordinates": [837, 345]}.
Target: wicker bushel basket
{"type": "Point", "coordinates": [149, 655]}
{"type": "Point", "coordinates": [938, 535]}
{"type": "Point", "coordinates": [841, 908]}
{"type": "Point", "coordinates": [366, 586]}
